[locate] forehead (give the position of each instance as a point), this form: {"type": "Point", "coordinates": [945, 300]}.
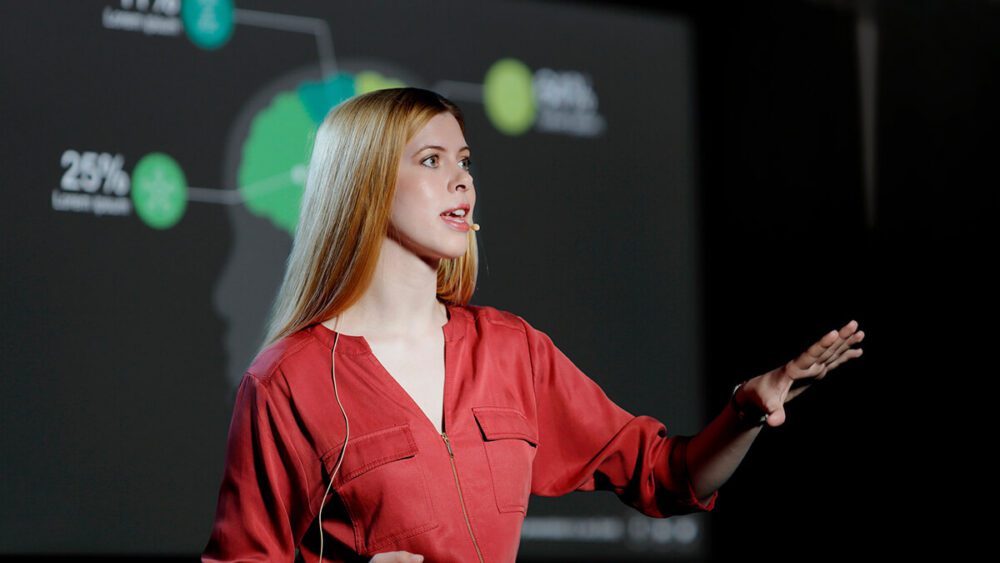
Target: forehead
{"type": "Point", "coordinates": [442, 129]}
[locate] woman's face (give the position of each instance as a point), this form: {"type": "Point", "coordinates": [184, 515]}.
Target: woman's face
{"type": "Point", "coordinates": [434, 178]}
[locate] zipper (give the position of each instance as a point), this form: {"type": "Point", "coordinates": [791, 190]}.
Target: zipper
{"type": "Point", "coordinates": [451, 455]}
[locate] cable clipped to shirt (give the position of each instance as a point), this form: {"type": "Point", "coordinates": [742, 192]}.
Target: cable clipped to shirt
{"type": "Point", "coordinates": [347, 434]}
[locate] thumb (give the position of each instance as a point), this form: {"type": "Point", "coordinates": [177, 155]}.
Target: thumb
{"type": "Point", "coordinates": [397, 557]}
{"type": "Point", "coordinates": [776, 418]}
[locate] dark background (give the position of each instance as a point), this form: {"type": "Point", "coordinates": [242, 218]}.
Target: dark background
{"type": "Point", "coordinates": [882, 458]}
{"type": "Point", "coordinates": [886, 458]}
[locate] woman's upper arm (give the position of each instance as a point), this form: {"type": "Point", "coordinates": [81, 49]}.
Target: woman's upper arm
{"type": "Point", "coordinates": [587, 442]}
{"type": "Point", "coordinates": [263, 496]}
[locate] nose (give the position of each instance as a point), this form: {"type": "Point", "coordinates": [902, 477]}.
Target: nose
{"type": "Point", "coordinates": [464, 181]}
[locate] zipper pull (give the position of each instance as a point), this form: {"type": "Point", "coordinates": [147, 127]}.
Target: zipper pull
{"type": "Point", "coordinates": [447, 443]}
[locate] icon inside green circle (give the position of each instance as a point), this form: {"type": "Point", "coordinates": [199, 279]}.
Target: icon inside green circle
{"type": "Point", "coordinates": [159, 190]}
{"type": "Point", "coordinates": [208, 23]}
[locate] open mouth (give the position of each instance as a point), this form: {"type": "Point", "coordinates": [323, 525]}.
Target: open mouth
{"type": "Point", "coordinates": [455, 218]}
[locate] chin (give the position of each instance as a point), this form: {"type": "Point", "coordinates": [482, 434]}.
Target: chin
{"type": "Point", "coordinates": [440, 251]}
{"type": "Point", "coordinates": [453, 255]}
{"type": "Point", "coordinates": [454, 245]}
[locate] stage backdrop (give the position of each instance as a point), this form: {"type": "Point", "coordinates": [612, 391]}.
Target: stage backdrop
{"type": "Point", "coordinates": [153, 164]}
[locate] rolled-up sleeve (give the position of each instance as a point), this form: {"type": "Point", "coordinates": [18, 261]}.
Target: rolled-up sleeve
{"type": "Point", "coordinates": [262, 498]}
{"type": "Point", "coordinates": [586, 442]}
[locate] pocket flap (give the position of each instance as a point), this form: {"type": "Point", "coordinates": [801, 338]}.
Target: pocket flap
{"type": "Point", "coordinates": [371, 450]}
{"type": "Point", "coordinates": [504, 422]}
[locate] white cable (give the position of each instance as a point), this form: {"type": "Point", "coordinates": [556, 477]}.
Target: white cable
{"type": "Point", "coordinates": [347, 434]}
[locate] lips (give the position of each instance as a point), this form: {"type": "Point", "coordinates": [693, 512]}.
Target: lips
{"type": "Point", "coordinates": [459, 220]}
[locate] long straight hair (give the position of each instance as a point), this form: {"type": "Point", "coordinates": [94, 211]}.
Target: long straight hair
{"type": "Point", "coordinates": [346, 207]}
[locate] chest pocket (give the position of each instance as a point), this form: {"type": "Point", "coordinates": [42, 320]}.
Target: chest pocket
{"type": "Point", "coordinates": [383, 487]}
{"type": "Point", "coordinates": [510, 443]}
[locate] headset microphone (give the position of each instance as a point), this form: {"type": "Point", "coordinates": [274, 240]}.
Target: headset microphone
{"type": "Point", "coordinates": [475, 226]}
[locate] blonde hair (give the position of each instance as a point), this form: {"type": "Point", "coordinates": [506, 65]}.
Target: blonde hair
{"type": "Point", "coordinates": [346, 208]}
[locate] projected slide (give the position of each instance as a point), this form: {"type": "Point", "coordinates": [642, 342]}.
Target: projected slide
{"type": "Point", "coordinates": [155, 163]}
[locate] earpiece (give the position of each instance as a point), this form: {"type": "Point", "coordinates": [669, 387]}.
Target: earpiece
{"type": "Point", "coordinates": [347, 434]}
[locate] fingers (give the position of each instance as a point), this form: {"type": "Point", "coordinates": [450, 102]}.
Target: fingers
{"type": "Point", "coordinates": [850, 354]}
{"type": "Point", "coordinates": [397, 557]}
{"type": "Point", "coordinates": [844, 339]}
{"type": "Point", "coordinates": [812, 356]}
{"type": "Point", "coordinates": [838, 356]}
{"type": "Point", "coordinates": [821, 356]}
{"type": "Point", "coordinates": [821, 349]}
{"type": "Point", "coordinates": [848, 329]}
{"type": "Point", "coordinates": [852, 340]}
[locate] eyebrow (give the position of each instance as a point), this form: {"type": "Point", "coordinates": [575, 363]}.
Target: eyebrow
{"type": "Point", "coordinates": [440, 148]}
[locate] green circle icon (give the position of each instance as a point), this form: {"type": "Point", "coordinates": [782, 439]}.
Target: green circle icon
{"type": "Point", "coordinates": [159, 190]}
{"type": "Point", "coordinates": [509, 97]}
{"type": "Point", "coordinates": [208, 23]}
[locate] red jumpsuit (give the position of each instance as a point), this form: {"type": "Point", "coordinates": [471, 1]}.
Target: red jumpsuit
{"type": "Point", "coordinates": [519, 418]}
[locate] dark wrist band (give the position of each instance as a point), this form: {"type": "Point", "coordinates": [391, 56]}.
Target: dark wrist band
{"type": "Point", "coordinates": [747, 418]}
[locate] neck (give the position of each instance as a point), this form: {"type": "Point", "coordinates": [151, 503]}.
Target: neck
{"type": "Point", "coordinates": [401, 300]}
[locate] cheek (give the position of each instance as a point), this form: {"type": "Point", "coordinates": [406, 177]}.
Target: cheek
{"type": "Point", "coordinates": [409, 206]}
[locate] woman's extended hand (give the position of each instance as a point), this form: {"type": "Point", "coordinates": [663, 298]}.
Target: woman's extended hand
{"type": "Point", "coordinates": [770, 391]}
{"type": "Point", "coordinates": [397, 557]}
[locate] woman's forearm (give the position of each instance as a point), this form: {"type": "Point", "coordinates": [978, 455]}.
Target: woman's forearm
{"type": "Point", "coordinates": [714, 453]}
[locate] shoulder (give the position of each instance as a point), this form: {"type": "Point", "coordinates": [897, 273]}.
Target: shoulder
{"type": "Point", "coordinates": [495, 321]}
{"type": "Point", "coordinates": [282, 353]}
{"type": "Point", "coordinates": [494, 317]}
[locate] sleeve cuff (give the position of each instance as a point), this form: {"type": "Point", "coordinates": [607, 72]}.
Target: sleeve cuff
{"type": "Point", "coordinates": [692, 496]}
{"type": "Point", "coordinates": [706, 506]}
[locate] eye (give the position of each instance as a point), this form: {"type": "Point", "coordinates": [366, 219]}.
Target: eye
{"type": "Point", "coordinates": [467, 161]}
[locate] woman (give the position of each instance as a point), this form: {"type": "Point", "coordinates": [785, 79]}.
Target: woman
{"type": "Point", "coordinates": [354, 437]}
